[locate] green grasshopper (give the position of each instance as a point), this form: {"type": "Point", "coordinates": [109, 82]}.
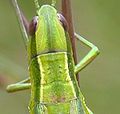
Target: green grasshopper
{"type": "Point", "coordinates": [54, 88]}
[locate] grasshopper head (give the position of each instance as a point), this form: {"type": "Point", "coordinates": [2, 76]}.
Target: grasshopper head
{"type": "Point", "coordinates": [49, 33]}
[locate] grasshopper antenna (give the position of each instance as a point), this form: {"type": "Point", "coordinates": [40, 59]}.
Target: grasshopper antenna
{"type": "Point", "coordinates": [53, 2]}
{"type": "Point", "coordinates": [37, 5]}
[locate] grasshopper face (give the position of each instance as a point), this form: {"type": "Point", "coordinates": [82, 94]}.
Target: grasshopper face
{"type": "Point", "coordinates": [49, 34]}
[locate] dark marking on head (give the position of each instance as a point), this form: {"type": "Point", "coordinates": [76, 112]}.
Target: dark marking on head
{"type": "Point", "coordinates": [33, 25]}
{"type": "Point", "coordinates": [63, 21]}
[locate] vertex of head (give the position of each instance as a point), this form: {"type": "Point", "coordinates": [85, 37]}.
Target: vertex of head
{"type": "Point", "coordinates": [47, 8]}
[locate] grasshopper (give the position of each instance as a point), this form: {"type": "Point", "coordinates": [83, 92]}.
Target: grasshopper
{"type": "Point", "coordinates": [52, 70]}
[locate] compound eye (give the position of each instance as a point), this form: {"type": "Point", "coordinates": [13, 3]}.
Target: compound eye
{"type": "Point", "coordinates": [33, 25]}
{"type": "Point", "coordinates": [63, 21]}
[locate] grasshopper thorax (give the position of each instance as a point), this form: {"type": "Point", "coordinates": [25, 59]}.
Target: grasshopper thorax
{"type": "Point", "coordinates": [50, 33]}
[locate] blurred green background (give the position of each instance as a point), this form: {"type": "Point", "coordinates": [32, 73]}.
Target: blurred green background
{"type": "Point", "coordinates": [96, 20]}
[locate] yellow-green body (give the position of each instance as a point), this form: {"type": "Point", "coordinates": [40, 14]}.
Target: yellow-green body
{"type": "Point", "coordinates": [54, 88]}
{"type": "Point", "coordinates": [54, 91]}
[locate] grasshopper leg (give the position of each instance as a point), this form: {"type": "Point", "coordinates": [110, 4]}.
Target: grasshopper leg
{"type": "Point", "coordinates": [89, 57]}
{"type": "Point", "coordinates": [22, 85]}
{"type": "Point", "coordinates": [27, 80]}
